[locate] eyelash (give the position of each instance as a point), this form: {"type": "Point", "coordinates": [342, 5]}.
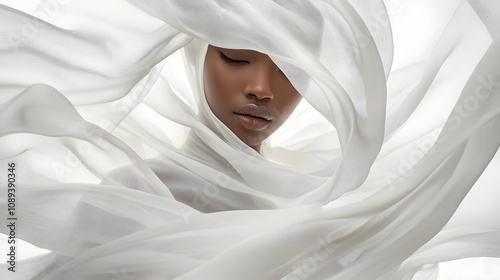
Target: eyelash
{"type": "Point", "coordinates": [239, 62]}
{"type": "Point", "coordinates": [232, 61]}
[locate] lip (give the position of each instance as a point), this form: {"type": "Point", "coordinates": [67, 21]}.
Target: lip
{"type": "Point", "coordinates": [254, 117]}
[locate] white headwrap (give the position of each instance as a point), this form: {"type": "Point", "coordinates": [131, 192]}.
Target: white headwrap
{"type": "Point", "coordinates": [124, 170]}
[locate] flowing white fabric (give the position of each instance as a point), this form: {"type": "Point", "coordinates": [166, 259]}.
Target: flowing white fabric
{"type": "Point", "coordinates": [125, 173]}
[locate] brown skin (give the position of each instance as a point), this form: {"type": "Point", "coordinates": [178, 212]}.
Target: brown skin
{"type": "Point", "coordinates": [234, 78]}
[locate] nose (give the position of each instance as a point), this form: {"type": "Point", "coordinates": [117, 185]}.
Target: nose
{"type": "Point", "coordinates": [259, 85]}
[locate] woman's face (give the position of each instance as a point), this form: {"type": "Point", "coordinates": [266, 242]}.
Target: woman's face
{"type": "Point", "coordinates": [248, 93]}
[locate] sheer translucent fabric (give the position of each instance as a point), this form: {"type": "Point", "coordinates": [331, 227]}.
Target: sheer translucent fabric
{"type": "Point", "coordinates": [125, 173]}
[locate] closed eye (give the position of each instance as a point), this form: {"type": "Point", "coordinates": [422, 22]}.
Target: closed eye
{"type": "Point", "coordinates": [232, 61]}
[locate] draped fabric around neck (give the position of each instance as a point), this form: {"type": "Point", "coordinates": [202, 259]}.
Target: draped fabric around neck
{"type": "Point", "coordinates": [124, 170]}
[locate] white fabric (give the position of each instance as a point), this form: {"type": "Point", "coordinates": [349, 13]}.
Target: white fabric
{"type": "Point", "coordinates": [124, 170]}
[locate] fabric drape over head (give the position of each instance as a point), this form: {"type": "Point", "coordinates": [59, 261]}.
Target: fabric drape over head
{"type": "Point", "coordinates": [123, 171]}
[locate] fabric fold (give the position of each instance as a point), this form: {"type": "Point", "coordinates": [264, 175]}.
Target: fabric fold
{"type": "Point", "coordinates": [124, 171]}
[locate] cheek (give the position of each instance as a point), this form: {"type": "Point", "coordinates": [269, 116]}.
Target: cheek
{"type": "Point", "coordinates": [222, 88]}
{"type": "Point", "coordinates": [288, 105]}
{"type": "Point", "coordinates": [216, 91]}
{"type": "Point", "coordinates": [293, 102]}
